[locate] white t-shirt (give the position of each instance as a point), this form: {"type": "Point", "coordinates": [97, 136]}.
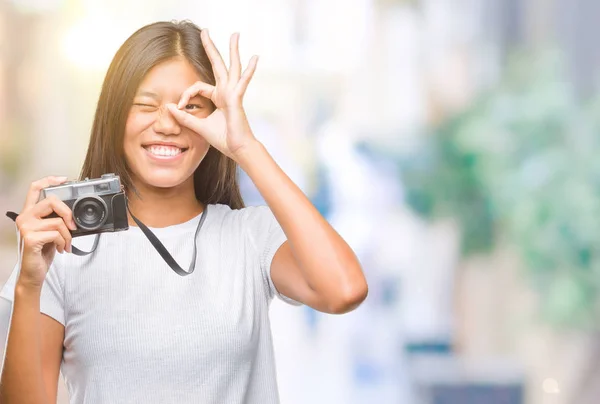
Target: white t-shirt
{"type": "Point", "coordinates": [136, 332]}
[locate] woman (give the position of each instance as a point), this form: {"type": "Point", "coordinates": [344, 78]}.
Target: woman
{"type": "Point", "coordinates": [120, 325]}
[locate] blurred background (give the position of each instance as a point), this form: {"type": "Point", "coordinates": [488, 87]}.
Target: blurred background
{"type": "Point", "coordinates": [451, 142]}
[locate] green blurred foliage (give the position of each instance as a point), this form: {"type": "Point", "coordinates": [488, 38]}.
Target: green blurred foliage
{"type": "Point", "coordinates": [12, 151]}
{"type": "Point", "coordinates": [521, 166]}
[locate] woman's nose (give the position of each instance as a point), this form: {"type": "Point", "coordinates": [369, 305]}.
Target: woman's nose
{"type": "Point", "coordinates": [166, 123]}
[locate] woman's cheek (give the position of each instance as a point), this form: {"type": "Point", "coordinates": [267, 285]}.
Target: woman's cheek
{"type": "Point", "coordinates": [138, 122]}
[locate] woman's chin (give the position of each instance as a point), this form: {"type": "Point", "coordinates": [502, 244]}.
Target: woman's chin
{"type": "Point", "coordinates": [157, 180]}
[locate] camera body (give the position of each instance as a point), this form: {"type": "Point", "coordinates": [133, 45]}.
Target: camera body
{"type": "Point", "coordinates": [98, 205]}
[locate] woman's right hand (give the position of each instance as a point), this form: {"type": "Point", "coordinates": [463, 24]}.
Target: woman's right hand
{"type": "Point", "coordinates": [41, 237]}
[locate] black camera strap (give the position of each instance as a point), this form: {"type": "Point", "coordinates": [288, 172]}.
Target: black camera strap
{"type": "Point", "coordinates": [151, 237]}
{"type": "Point", "coordinates": [161, 248]}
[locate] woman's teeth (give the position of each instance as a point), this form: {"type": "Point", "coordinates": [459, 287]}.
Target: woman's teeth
{"type": "Point", "coordinates": [165, 151]}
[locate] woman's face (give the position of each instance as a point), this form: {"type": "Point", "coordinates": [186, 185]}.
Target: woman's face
{"type": "Point", "coordinates": [160, 152]}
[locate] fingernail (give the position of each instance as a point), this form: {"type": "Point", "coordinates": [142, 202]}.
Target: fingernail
{"type": "Point", "coordinates": [62, 178]}
{"type": "Point", "coordinates": [69, 249]}
{"type": "Point", "coordinates": [73, 225]}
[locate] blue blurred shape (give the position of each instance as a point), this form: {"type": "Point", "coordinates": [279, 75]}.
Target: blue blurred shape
{"type": "Point", "coordinates": [452, 379]}
{"type": "Point", "coordinates": [441, 347]}
{"type": "Point", "coordinates": [477, 394]}
{"type": "Point", "coordinates": [368, 372]}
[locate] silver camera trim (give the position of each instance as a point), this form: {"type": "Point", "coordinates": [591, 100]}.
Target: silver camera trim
{"type": "Point", "coordinates": [71, 190]}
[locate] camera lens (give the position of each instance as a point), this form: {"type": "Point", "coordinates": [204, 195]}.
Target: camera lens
{"type": "Point", "coordinates": [90, 212]}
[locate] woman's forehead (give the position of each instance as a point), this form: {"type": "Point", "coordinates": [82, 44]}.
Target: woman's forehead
{"type": "Point", "coordinates": [169, 77]}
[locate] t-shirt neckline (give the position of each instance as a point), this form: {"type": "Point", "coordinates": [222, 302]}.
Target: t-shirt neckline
{"type": "Point", "coordinates": [175, 228]}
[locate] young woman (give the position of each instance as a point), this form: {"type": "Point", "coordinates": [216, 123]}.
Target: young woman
{"type": "Point", "coordinates": [119, 323]}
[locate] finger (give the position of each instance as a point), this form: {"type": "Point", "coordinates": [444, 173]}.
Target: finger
{"type": "Point", "coordinates": [38, 239]}
{"type": "Point", "coordinates": [198, 88]}
{"type": "Point", "coordinates": [235, 66]}
{"type": "Point", "coordinates": [56, 224]}
{"type": "Point", "coordinates": [35, 189]}
{"type": "Point", "coordinates": [219, 68]}
{"type": "Point", "coordinates": [54, 205]}
{"type": "Point", "coordinates": [187, 120]}
{"type": "Point", "coordinates": [246, 76]}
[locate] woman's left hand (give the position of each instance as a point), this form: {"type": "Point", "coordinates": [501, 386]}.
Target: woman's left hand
{"type": "Point", "coordinates": [226, 128]}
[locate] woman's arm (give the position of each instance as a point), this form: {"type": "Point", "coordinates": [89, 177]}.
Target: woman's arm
{"type": "Point", "coordinates": [34, 348]}
{"type": "Point", "coordinates": [33, 353]}
{"type": "Point", "coordinates": [315, 266]}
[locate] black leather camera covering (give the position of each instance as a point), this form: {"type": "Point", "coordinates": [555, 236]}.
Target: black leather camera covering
{"type": "Point", "coordinates": [119, 210]}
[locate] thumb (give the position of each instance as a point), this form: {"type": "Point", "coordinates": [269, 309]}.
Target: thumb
{"type": "Point", "coordinates": [188, 120]}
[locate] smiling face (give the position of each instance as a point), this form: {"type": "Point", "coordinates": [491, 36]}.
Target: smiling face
{"type": "Point", "coordinates": [159, 151]}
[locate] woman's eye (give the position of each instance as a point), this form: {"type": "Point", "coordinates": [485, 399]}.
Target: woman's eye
{"type": "Point", "coordinates": [145, 107]}
{"type": "Point", "coordinates": [192, 106]}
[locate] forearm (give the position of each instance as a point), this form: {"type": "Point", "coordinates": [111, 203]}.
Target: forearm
{"type": "Point", "coordinates": [328, 263]}
{"type": "Point", "coordinates": [22, 379]}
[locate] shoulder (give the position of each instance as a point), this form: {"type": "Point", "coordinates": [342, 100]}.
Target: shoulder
{"type": "Point", "coordinates": [248, 217]}
{"type": "Point", "coordinates": [253, 222]}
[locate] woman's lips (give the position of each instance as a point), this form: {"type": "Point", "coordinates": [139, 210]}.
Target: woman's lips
{"type": "Point", "coordinates": [164, 153]}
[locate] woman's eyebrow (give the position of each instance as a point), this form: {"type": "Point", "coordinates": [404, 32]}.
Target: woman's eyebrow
{"type": "Point", "coordinates": [146, 93]}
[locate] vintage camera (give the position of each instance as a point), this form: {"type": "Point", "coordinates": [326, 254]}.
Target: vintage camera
{"type": "Point", "coordinates": [98, 205]}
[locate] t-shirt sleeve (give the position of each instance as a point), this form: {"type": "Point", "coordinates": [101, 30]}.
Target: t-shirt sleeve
{"type": "Point", "coordinates": [51, 298]}
{"type": "Point", "coordinates": [267, 236]}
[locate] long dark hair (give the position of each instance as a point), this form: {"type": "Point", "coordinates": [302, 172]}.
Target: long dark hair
{"type": "Point", "coordinates": [216, 178]}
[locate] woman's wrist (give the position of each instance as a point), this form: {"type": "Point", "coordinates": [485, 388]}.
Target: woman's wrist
{"type": "Point", "coordinates": [28, 288]}
{"type": "Point", "coordinates": [249, 154]}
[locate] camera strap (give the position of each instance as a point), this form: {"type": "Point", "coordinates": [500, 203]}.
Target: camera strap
{"type": "Point", "coordinates": [161, 248]}
{"type": "Point", "coordinates": [153, 240]}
